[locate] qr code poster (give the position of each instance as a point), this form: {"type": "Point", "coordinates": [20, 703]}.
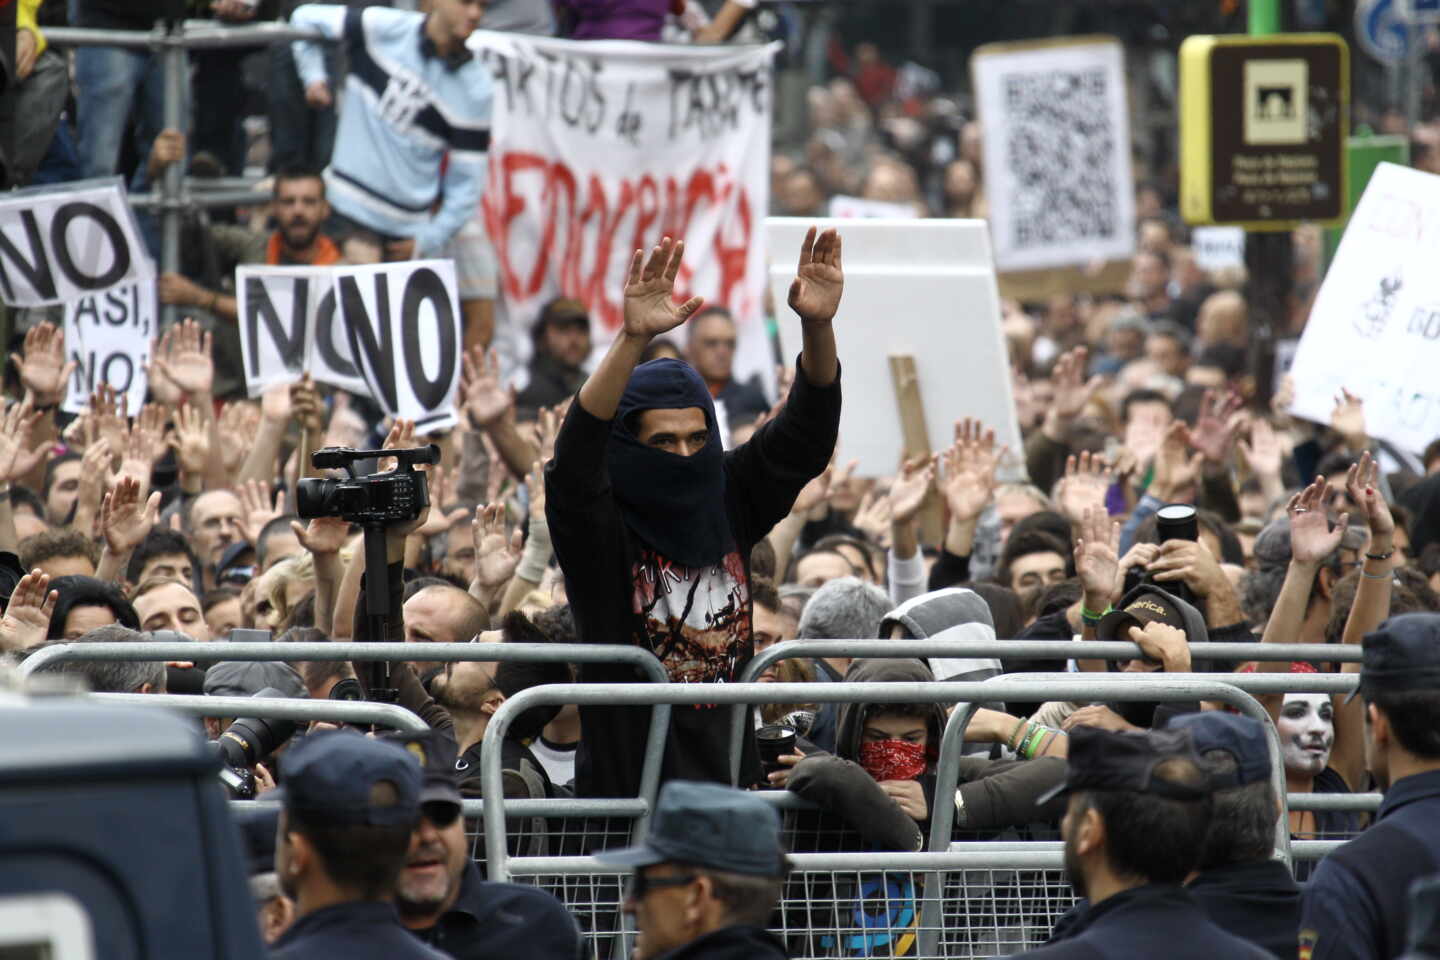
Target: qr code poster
{"type": "Point", "coordinates": [1056, 128]}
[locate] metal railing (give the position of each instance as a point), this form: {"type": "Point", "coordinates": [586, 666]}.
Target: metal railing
{"type": "Point", "coordinates": [275, 708]}
{"type": "Point", "coordinates": [643, 661]}
{"type": "Point", "coordinates": [1024, 650]}
{"type": "Point", "coordinates": [172, 44]}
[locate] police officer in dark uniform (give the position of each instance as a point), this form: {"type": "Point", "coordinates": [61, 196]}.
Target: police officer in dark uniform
{"type": "Point", "coordinates": [707, 878]}
{"type": "Point", "coordinates": [1240, 885]}
{"type": "Point", "coordinates": [1139, 808]}
{"type": "Point", "coordinates": [349, 807]}
{"type": "Point", "coordinates": [439, 893]}
{"type": "Point", "coordinates": [1356, 904]}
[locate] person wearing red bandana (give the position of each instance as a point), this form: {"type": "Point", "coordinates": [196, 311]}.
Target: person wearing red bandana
{"type": "Point", "coordinates": [880, 783]}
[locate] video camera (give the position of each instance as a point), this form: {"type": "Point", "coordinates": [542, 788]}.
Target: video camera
{"type": "Point", "coordinates": [384, 499]}
{"type": "Point", "coordinates": [246, 742]}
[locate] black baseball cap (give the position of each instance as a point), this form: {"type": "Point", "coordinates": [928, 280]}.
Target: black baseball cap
{"type": "Point", "coordinates": [1241, 737]}
{"type": "Point", "coordinates": [1140, 606]}
{"type": "Point", "coordinates": [1125, 763]}
{"type": "Point", "coordinates": [1401, 654]}
{"type": "Point", "coordinates": [435, 753]}
{"type": "Point", "coordinates": [330, 776]}
{"type": "Point", "coordinates": [237, 564]}
{"type": "Point", "coordinates": [708, 825]}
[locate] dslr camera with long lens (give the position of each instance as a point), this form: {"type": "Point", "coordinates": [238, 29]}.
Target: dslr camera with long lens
{"type": "Point", "coordinates": [383, 499]}
{"type": "Point", "coordinates": [246, 742]}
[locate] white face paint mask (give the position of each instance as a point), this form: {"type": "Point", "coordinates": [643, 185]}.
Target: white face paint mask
{"type": "Point", "coordinates": [1307, 732]}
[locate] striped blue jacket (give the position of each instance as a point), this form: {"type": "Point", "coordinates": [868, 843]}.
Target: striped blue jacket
{"type": "Point", "coordinates": [405, 108]}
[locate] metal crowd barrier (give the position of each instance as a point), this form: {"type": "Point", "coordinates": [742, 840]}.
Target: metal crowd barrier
{"type": "Point", "coordinates": [1015, 650]}
{"type": "Point", "coordinates": [1001, 888]}
{"type": "Point", "coordinates": [642, 660]}
{"type": "Point", "coordinates": [281, 708]}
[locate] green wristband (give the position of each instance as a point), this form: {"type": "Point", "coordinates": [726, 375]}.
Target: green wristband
{"type": "Point", "coordinates": [1032, 742]}
{"type": "Point", "coordinates": [1089, 616]}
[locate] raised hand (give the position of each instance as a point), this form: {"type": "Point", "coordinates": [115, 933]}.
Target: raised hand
{"type": "Point", "coordinates": [1084, 485]}
{"type": "Point", "coordinates": [497, 551]}
{"type": "Point", "coordinates": [256, 510]}
{"type": "Point", "coordinates": [1176, 470]}
{"type": "Point", "coordinates": [1361, 483]}
{"type": "Point", "coordinates": [819, 277]}
{"type": "Point", "coordinates": [536, 487]}
{"type": "Point", "coordinates": [16, 456]}
{"type": "Point", "coordinates": [306, 406]}
{"type": "Point", "coordinates": [190, 439]}
{"type": "Point", "coordinates": [485, 399]}
{"type": "Point", "coordinates": [650, 308]}
{"type": "Point", "coordinates": [547, 428]}
{"type": "Point", "coordinates": [1097, 557]}
{"type": "Point", "coordinates": [123, 522]}
{"type": "Point", "coordinates": [400, 437]}
{"type": "Point", "coordinates": [184, 357]}
{"type": "Point", "coordinates": [275, 403]}
{"type": "Point", "coordinates": [1216, 426]}
{"type": "Point", "coordinates": [1145, 432]}
{"type": "Point", "coordinates": [816, 492]}
{"type": "Point", "coordinates": [1072, 390]}
{"type": "Point", "coordinates": [968, 482]}
{"type": "Point", "coordinates": [239, 423]}
{"type": "Point", "coordinates": [872, 517]}
{"type": "Point", "coordinates": [911, 487]}
{"type": "Point", "coordinates": [41, 362]}
{"type": "Point", "coordinates": [440, 482]}
{"type": "Point", "coordinates": [110, 414]}
{"type": "Point", "coordinates": [321, 535]}
{"type": "Point", "coordinates": [1348, 419]}
{"type": "Point", "coordinates": [27, 616]}
{"type": "Point", "coordinates": [1311, 537]}
{"type": "Point", "coordinates": [1261, 452]}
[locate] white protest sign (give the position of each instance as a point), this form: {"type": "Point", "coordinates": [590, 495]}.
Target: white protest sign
{"type": "Point", "coordinates": [403, 327]}
{"type": "Point", "coordinates": [1375, 327]}
{"type": "Point", "coordinates": [920, 287]}
{"type": "Point", "coordinates": [1218, 248]}
{"type": "Point", "coordinates": [107, 337]}
{"type": "Point", "coordinates": [58, 244]}
{"type": "Point", "coordinates": [601, 147]}
{"type": "Point", "coordinates": [1057, 151]}
{"type": "Point", "coordinates": [288, 325]}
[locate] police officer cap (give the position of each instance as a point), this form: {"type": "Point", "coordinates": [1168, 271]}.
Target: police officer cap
{"type": "Point", "coordinates": [1403, 653]}
{"type": "Point", "coordinates": [436, 755]}
{"type": "Point", "coordinates": [1241, 737]}
{"type": "Point", "coordinates": [711, 826]}
{"type": "Point", "coordinates": [331, 777]}
{"type": "Point", "coordinates": [1126, 763]}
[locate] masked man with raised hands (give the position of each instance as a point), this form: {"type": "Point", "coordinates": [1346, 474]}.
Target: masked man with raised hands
{"type": "Point", "coordinates": [653, 522]}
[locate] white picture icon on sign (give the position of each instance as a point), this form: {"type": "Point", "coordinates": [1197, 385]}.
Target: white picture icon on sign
{"type": "Point", "coordinates": [1276, 101]}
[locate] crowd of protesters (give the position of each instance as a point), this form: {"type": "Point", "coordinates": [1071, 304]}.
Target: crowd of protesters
{"type": "Point", "coordinates": [650, 496]}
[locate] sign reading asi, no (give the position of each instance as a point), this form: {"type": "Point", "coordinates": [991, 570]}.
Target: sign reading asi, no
{"type": "Point", "coordinates": [403, 325]}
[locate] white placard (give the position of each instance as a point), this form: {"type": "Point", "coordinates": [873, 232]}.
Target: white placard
{"type": "Point", "coordinates": [108, 337]}
{"type": "Point", "coordinates": [58, 244]}
{"type": "Point", "coordinates": [1218, 248]}
{"type": "Point", "coordinates": [289, 324]}
{"type": "Point", "coordinates": [1375, 327]}
{"type": "Point", "coordinates": [403, 327]}
{"type": "Point", "coordinates": [1057, 152]}
{"type": "Point", "coordinates": [599, 147]}
{"type": "Point", "coordinates": [922, 287]}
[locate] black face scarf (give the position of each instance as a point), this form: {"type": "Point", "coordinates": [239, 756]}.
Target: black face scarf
{"type": "Point", "coordinates": [675, 504]}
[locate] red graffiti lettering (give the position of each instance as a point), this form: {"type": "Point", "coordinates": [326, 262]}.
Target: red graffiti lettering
{"type": "Point", "coordinates": [556, 230]}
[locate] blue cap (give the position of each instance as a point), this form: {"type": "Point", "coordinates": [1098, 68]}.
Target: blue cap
{"type": "Point", "coordinates": [1401, 654]}
{"type": "Point", "coordinates": [711, 826]}
{"type": "Point", "coordinates": [330, 777]}
{"type": "Point", "coordinates": [1241, 737]}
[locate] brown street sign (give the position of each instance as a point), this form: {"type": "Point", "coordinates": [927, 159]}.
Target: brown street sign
{"type": "Point", "coordinates": [1263, 122]}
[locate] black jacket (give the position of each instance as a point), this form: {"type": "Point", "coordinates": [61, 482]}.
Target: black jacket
{"type": "Point", "coordinates": [604, 570]}
{"type": "Point", "coordinates": [551, 382]}
{"type": "Point", "coordinates": [508, 920]}
{"type": "Point", "coordinates": [1259, 902]}
{"type": "Point", "coordinates": [1153, 921]}
{"type": "Point", "coordinates": [730, 943]}
{"type": "Point", "coordinates": [363, 930]}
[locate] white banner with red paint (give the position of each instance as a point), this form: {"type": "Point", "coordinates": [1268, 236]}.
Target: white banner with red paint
{"type": "Point", "coordinates": [600, 147]}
